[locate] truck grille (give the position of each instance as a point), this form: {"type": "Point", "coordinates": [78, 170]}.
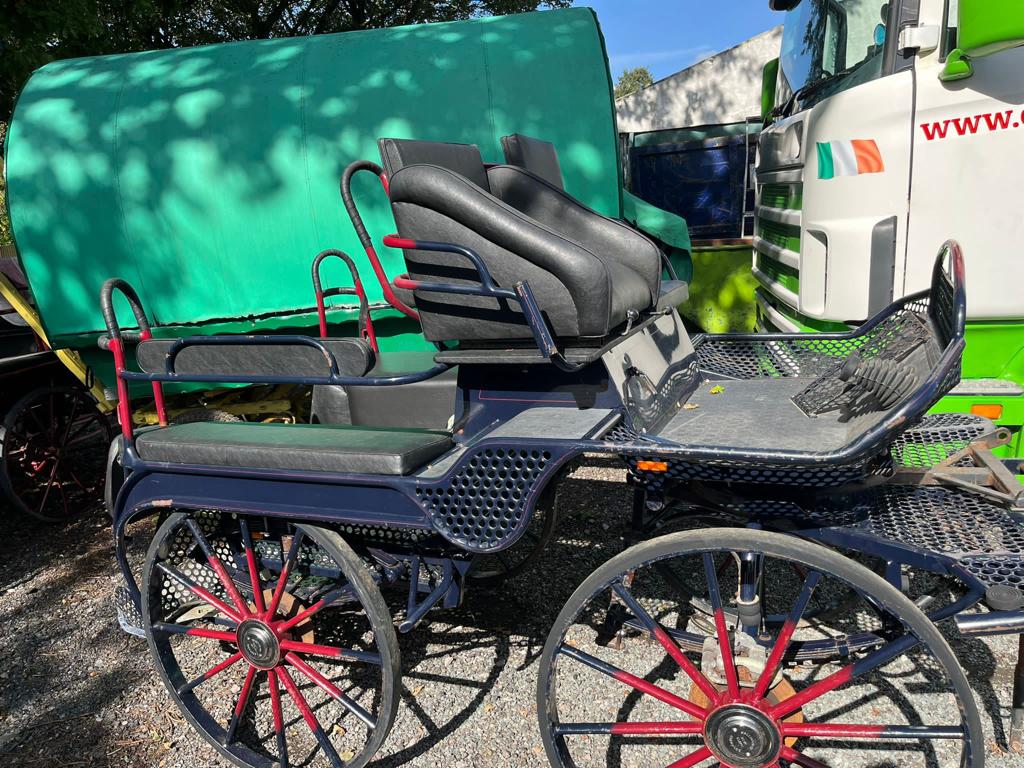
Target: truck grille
{"type": "Point", "coordinates": [777, 247]}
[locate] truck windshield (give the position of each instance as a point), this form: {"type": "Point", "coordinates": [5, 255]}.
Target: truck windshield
{"type": "Point", "coordinates": [829, 46]}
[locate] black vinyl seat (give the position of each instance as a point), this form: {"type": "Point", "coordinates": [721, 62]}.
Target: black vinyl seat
{"type": "Point", "coordinates": [537, 156]}
{"type": "Point", "coordinates": [589, 273]}
{"type": "Point", "coordinates": [310, 447]}
{"type": "Point", "coordinates": [540, 158]}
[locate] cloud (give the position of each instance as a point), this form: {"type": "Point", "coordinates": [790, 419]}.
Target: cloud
{"type": "Point", "coordinates": [671, 60]}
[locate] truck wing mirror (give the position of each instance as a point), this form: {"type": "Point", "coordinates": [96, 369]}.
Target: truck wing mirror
{"type": "Point", "coordinates": [984, 27]}
{"type": "Point", "coordinates": [783, 5]}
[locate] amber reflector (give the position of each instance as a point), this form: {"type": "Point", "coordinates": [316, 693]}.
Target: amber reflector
{"type": "Point", "coordinates": [652, 466]}
{"type": "Point", "coordinates": [988, 410]}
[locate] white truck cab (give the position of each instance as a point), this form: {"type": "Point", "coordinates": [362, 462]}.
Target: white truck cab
{"type": "Point", "coordinates": [898, 125]}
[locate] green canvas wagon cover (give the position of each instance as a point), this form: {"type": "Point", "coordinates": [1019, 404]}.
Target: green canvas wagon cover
{"type": "Point", "coordinates": [208, 177]}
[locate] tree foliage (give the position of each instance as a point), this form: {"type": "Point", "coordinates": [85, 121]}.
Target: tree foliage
{"type": "Point", "coordinates": [33, 32]}
{"type": "Point", "coordinates": [632, 80]}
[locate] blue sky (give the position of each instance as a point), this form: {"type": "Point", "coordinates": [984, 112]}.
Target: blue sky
{"type": "Point", "coordinates": [669, 35]}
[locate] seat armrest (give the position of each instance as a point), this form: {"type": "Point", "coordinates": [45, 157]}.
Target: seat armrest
{"type": "Point", "coordinates": [606, 237]}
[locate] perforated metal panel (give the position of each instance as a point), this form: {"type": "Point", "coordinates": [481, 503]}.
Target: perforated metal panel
{"type": "Point", "coordinates": [180, 555]}
{"type": "Point", "coordinates": [937, 437]}
{"type": "Point", "coordinates": [718, 471]}
{"type": "Point", "coordinates": [981, 535]}
{"type": "Point", "coordinates": [1005, 570]}
{"type": "Point", "coordinates": [485, 501]}
{"type": "Point", "coordinates": [894, 338]}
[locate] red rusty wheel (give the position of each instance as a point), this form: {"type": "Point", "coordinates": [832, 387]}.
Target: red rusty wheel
{"type": "Point", "coordinates": [54, 443]}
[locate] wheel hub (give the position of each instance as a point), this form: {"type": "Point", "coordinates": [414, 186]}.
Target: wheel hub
{"type": "Point", "coordinates": [742, 736]}
{"type": "Point", "coordinates": [259, 644]}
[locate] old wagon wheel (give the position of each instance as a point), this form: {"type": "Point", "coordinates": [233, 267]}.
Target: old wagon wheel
{"type": "Point", "coordinates": [54, 443]}
{"type": "Point", "coordinates": [273, 640]}
{"type": "Point", "coordinates": [736, 696]}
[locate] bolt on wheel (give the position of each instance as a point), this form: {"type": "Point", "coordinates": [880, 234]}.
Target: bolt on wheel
{"type": "Point", "coordinates": [748, 692]}
{"type": "Point", "coordinates": [273, 640]}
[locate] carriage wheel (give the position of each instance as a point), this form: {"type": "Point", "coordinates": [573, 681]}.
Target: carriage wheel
{"type": "Point", "coordinates": [54, 443]}
{"type": "Point", "coordinates": [301, 670]}
{"type": "Point", "coordinates": [737, 698]}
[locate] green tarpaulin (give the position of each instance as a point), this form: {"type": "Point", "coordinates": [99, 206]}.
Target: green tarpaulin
{"type": "Point", "coordinates": [208, 177]}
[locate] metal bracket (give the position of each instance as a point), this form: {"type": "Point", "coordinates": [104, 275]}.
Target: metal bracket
{"type": "Point", "coordinates": [447, 589]}
{"type": "Point", "coordinates": [986, 476]}
{"type": "Point", "coordinates": [924, 37]}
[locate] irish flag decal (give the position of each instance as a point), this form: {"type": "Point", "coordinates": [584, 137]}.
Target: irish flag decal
{"type": "Point", "coordinates": [848, 158]}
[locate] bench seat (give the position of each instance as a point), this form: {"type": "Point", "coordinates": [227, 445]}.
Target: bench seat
{"type": "Point", "coordinates": [311, 447]}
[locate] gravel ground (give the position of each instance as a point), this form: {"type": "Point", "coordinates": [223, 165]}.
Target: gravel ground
{"type": "Point", "coordinates": [76, 691]}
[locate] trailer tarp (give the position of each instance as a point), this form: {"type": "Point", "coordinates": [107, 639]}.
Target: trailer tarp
{"type": "Point", "coordinates": [208, 177]}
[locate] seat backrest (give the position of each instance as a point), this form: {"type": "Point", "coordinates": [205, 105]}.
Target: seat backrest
{"type": "Point", "coordinates": [463, 159]}
{"type": "Point", "coordinates": [354, 358]}
{"type": "Point", "coordinates": [535, 155]}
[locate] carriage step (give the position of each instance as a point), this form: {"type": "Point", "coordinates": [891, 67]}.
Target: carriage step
{"type": "Point", "coordinates": [128, 616]}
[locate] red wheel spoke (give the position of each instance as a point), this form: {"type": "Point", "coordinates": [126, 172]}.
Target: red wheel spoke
{"type": "Point", "coordinates": [275, 708]}
{"type": "Point", "coordinates": [201, 593]}
{"type": "Point", "coordinates": [724, 641]}
{"type": "Point", "coordinates": [60, 455]}
{"type": "Point", "coordinates": [212, 672]}
{"type": "Point", "coordinates": [183, 629]}
{"type": "Point", "coordinates": [696, 758]}
{"type": "Point", "coordinates": [844, 675]}
{"type": "Point", "coordinates": [856, 731]}
{"type": "Point", "coordinates": [635, 682]}
{"type": "Point", "coordinates": [49, 485]}
{"type": "Point", "coordinates": [331, 652]}
{"type": "Point", "coordinates": [243, 700]}
{"type": "Point", "coordinates": [790, 754]}
{"type": "Point", "coordinates": [309, 717]}
{"type": "Point", "coordinates": [667, 728]}
{"type": "Point", "coordinates": [331, 597]}
{"type": "Point", "coordinates": [667, 642]}
{"type": "Point", "coordinates": [254, 573]}
{"type": "Point", "coordinates": [785, 636]}
{"type": "Point", "coordinates": [331, 689]}
{"type": "Point", "coordinates": [282, 579]}
{"type": "Point", "coordinates": [218, 567]}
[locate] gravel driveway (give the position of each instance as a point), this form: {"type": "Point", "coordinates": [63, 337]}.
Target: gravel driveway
{"type": "Point", "coordinates": [76, 691]}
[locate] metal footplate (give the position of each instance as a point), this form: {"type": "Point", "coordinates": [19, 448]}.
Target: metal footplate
{"type": "Point", "coordinates": [128, 616]}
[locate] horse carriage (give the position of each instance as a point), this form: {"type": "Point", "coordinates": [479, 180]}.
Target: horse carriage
{"type": "Point", "coordinates": [816, 492]}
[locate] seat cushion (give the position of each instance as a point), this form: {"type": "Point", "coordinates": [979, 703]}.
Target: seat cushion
{"type": "Point", "coordinates": [537, 156]}
{"type": "Point", "coordinates": [312, 447]}
{"type": "Point", "coordinates": [463, 159]}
